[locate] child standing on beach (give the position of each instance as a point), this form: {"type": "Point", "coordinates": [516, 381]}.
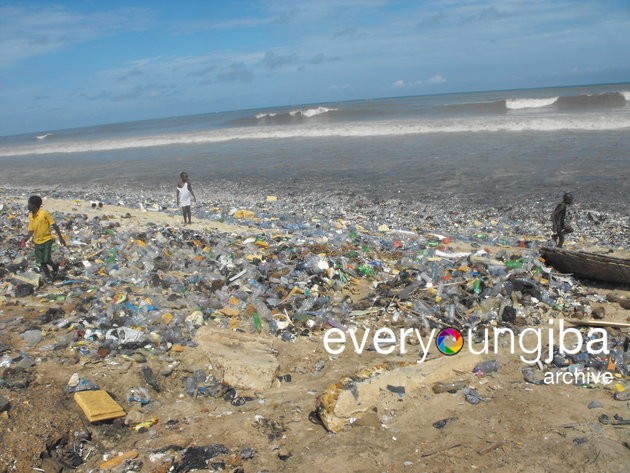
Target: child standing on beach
{"type": "Point", "coordinates": [184, 194]}
{"type": "Point", "coordinates": [558, 219]}
{"type": "Point", "coordinates": [39, 223]}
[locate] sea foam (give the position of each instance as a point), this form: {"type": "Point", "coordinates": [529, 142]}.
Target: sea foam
{"type": "Point", "coordinates": [311, 112]}
{"type": "Point", "coordinates": [519, 104]}
{"type": "Point", "coordinates": [592, 122]}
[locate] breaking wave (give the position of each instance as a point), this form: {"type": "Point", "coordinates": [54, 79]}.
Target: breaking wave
{"type": "Point", "coordinates": [311, 112]}
{"type": "Point", "coordinates": [265, 115]}
{"type": "Point", "coordinates": [569, 102]}
{"type": "Point", "coordinates": [293, 117]}
{"type": "Point", "coordinates": [519, 104]}
{"type": "Point", "coordinates": [593, 122]}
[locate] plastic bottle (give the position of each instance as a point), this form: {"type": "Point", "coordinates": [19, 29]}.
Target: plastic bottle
{"type": "Point", "coordinates": [448, 386]}
{"type": "Point", "coordinates": [477, 286]}
{"type": "Point", "coordinates": [139, 395]}
{"type": "Point", "coordinates": [190, 385]}
{"type": "Point", "coordinates": [406, 262]}
{"type": "Point", "coordinates": [435, 271]}
{"type": "Point", "coordinates": [316, 265]}
{"type": "Point", "coordinates": [616, 360]}
{"type": "Point", "coordinates": [307, 305]}
{"type": "Point", "coordinates": [546, 298]}
{"type": "Point", "coordinates": [514, 263]}
{"type": "Point", "coordinates": [472, 396]}
{"type": "Point", "coordinates": [450, 314]}
{"type": "Point", "coordinates": [262, 310]}
{"type": "Point", "coordinates": [485, 367]}
{"type": "Point", "coordinates": [257, 322]}
{"type": "Point", "coordinates": [496, 270]}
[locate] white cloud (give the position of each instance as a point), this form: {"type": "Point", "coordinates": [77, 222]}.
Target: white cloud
{"type": "Point", "coordinates": [401, 84]}
{"type": "Point", "coordinates": [30, 32]}
{"type": "Point", "coordinates": [436, 79]}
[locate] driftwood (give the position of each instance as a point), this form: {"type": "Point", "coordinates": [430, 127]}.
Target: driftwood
{"type": "Point", "coordinates": [439, 450]}
{"type": "Point", "coordinates": [598, 323]}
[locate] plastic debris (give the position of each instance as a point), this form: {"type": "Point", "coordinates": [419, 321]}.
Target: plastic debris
{"type": "Point", "coordinates": [440, 424]}
{"type": "Point", "coordinates": [196, 458]}
{"type": "Point", "coordinates": [448, 387]}
{"type": "Point", "coordinates": [486, 367]}
{"type": "Point", "coordinates": [145, 425]}
{"type": "Point", "coordinates": [114, 462]}
{"type": "Point", "coordinates": [139, 301]}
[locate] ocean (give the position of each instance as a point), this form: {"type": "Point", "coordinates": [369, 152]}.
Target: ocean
{"type": "Point", "coordinates": [486, 146]}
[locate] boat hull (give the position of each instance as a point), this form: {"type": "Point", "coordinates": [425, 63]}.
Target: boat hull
{"type": "Point", "coordinates": [588, 265]}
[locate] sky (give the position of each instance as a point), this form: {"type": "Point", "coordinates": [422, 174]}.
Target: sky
{"type": "Point", "coordinates": [87, 62]}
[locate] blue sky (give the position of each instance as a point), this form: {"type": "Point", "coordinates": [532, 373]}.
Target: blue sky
{"type": "Point", "coordinates": [75, 63]}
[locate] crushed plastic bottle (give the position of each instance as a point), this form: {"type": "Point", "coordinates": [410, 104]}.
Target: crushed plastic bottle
{"type": "Point", "coordinates": [365, 270]}
{"type": "Point", "coordinates": [486, 367]}
{"type": "Point", "coordinates": [448, 386]}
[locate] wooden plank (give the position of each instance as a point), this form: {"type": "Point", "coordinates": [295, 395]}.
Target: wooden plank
{"type": "Point", "coordinates": [438, 450]}
{"type": "Point", "coordinates": [598, 323]}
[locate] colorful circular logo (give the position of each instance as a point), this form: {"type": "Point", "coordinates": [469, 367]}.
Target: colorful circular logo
{"type": "Point", "coordinates": [449, 341]}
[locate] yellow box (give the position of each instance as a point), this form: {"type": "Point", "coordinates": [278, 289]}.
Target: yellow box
{"type": "Point", "coordinates": [98, 405]}
{"type": "Point", "coordinates": [168, 318]}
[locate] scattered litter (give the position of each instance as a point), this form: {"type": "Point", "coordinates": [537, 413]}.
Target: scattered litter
{"type": "Point", "coordinates": [440, 424]}
{"type": "Point", "coordinates": [138, 299]}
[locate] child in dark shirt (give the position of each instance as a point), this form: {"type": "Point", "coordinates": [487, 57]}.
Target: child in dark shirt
{"type": "Point", "coordinates": [559, 218]}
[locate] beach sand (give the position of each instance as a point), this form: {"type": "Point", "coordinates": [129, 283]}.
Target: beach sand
{"type": "Point", "coordinates": [138, 217]}
{"type": "Point", "coordinates": [521, 426]}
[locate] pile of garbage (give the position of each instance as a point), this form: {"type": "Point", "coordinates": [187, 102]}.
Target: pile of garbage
{"type": "Point", "coordinates": [290, 273]}
{"type": "Point", "coordinates": [301, 207]}
{"type": "Point", "coordinates": [129, 287]}
{"type": "Point", "coordinates": [287, 279]}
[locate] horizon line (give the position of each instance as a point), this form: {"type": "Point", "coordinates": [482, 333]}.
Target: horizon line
{"type": "Point", "coordinates": [317, 103]}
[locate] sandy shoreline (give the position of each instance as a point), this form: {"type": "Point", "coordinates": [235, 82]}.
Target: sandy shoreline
{"type": "Point", "coordinates": [519, 427]}
{"type": "Point", "coordinates": [139, 217]}
{"type": "Point", "coordinates": [300, 206]}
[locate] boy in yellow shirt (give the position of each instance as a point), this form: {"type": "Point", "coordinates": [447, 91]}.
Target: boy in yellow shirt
{"type": "Point", "coordinates": [39, 223]}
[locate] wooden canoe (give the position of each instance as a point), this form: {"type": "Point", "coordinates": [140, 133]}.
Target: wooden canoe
{"type": "Point", "coordinates": [588, 265]}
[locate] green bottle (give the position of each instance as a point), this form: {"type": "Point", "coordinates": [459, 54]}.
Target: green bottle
{"type": "Point", "coordinates": [477, 286]}
{"type": "Point", "coordinates": [514, 263]}
{"type": "Point", "coordinates": [257, 322]}
{"type": "Point", "coordinates": [366, 270]}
